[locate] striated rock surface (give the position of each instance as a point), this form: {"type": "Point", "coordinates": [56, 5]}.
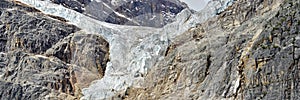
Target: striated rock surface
{"type": "Point", "coordinates": [232, 49]}
{"type": "Point", "coordinates": [24, 28]}
{"type": "Point", "coordinates": [248, 52]}
{"type": "Point", "coordinates": [26, 76]}
{"type": "Point", "coordinates": [43, 57]}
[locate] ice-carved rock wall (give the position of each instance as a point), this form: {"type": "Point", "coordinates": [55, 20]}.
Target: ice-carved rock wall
{"type": "Point", "coordinates": [133, 49]}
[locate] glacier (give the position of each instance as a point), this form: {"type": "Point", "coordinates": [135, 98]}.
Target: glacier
{"type": "Point", "coordinates": [133, 49]}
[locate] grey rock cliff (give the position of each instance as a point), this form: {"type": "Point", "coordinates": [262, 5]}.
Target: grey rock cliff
{"type": "Point", "coordinates": [42, 57]}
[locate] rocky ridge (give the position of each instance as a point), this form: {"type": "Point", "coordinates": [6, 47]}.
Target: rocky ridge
{"type": "Point", "coordinates": [152, 13]}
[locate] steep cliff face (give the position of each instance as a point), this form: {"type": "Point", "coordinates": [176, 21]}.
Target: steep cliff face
{"type": "Point", "coordinates": [250, 51]}
{"type": "Point", "coordinates": [233, 49]}
{"type": "Point", "coordinates": [45, 58]}
{"type": "Point", "coordinates": [153, 13]}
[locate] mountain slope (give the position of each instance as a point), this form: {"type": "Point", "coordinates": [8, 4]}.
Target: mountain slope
{"type": "Point", "coordinates": [232, 49]}
{"type": "Point", "coordinates": [153, 13]}
{"type": "Point", "coordinates": [250, 51]}
{"type": "Point", "coordinates": [45, 58]}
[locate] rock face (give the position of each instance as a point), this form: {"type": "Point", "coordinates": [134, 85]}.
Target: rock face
{"type": "Point", "coordinates": [87, 53]}
{"type": "Point", "coordinates": [34, 77]}
{"type": "Point", "coordinates": [45, 58]}
{"type": "Point", "coordinates": [21, 30]}
{"type": "Point", "coordinates": [250, 51]}
{"type": "Point", "coordinates": [233, 49]}
{"type": "Point", "coordinates": [153, 13]}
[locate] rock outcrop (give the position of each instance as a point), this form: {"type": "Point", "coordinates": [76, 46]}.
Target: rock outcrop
{"type": "Point", "coordinates": [28, 30]}
{"type": "Point", "coordinates": [42, 57]}
{"type": "Point", "coordinates": [87, 53]}
{"type": "Point", "coordinates": [249, 51]}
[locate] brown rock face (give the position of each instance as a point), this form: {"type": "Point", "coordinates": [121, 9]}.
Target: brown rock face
{"type": "Point", "coordinates": [250, 51]}
{"type": "Point", "coordinates": [87, 54]}
{"type": "Point", "coordinates": [46, 58]}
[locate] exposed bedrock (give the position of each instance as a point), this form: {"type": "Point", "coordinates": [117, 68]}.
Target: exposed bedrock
{"type": "Point", "coordinates": [42, 57]}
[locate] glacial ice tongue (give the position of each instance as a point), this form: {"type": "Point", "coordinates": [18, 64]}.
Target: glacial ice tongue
{"type": "Point", "coordinates": [133, 49]}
